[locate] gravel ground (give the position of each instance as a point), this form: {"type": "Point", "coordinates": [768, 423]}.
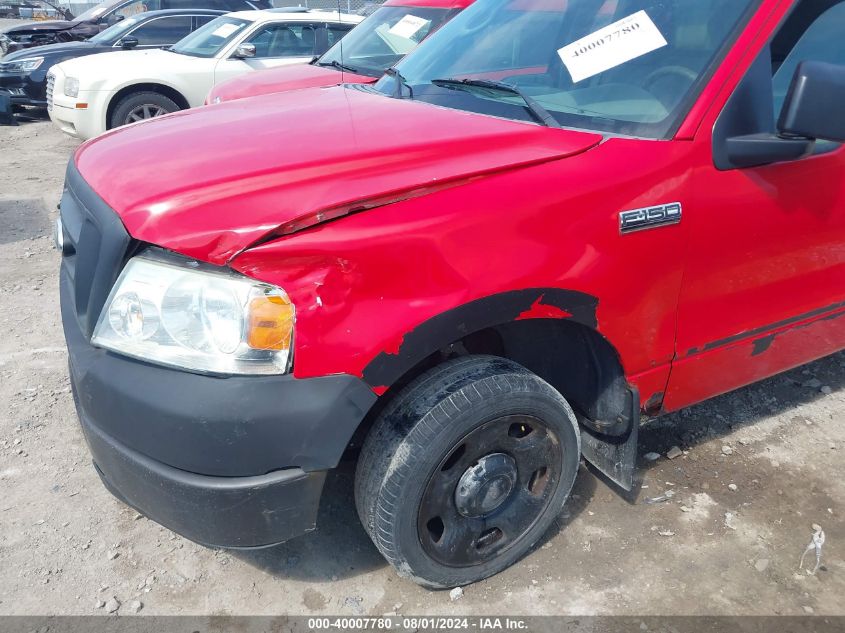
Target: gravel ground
{"type": "Point", "coordinates": [757, 468]}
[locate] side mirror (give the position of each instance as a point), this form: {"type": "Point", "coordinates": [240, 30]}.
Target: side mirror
{"type": "Point", "coordinates": [815, 103]}
{"type": "Point", "coordinates": [128, 42]}
{"type": "Point", "coordinates": [114, 18]}
{"type": "Point", "coordinates": [244, 51]}
{"type": "Point", "coordinates": [745, 134]}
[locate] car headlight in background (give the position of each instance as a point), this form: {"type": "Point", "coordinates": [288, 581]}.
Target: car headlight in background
{"type": "Point", "coordinates": [198, 320]}
{"type": "Point", "coordinates": [26, 65]}
{"type": "Point", "coordinates": [71, 87]}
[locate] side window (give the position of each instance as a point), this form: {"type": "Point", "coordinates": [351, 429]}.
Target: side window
{"type": "Point", "coordinates": [232, 5]}
{"type": "Point", "coordinates": [200, 20]}
{"type": "Point", "coordinates": [215, 5]}
{"type": "Point", "coordinates": [813, 32]}
{"type": "Point", "coordinates": [137, 7]}
{"type": "Point", "coordinates": [284, 40]}
{"type": "Point", "coordinates": [337, 31]}
{"type": "Point", "coordinates": [162, 31]}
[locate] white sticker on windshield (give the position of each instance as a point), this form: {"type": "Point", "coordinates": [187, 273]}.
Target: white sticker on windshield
{"type": "Point", "coordinates": [408, 26]}
{"type": "Point", "coordinates": [611, 46]}
{"type": "Point", "coordinates": [225, 30]}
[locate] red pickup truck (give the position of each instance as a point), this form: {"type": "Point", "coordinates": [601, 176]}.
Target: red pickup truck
{"type": "Point", "coordinates": [552, 218]}
{"type": "Point", "coordinates": [379, 42]}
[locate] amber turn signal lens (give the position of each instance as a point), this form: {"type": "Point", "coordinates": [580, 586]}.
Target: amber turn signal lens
{"type": "Point", "coordinates": [270, 323]}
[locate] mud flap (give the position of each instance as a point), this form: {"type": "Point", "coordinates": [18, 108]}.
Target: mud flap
{"type": "Point", "coordinates": [615, 457]}
{"type": "Point", "coordinates": [7, 116]}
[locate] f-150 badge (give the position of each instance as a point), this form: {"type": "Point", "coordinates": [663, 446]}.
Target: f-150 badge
{"type": "Point", "coordinates": [649, 217]}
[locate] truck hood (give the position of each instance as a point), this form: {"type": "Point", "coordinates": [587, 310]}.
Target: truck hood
{"type": "Point", "coordinates": [211, 182]}
{"type": "Point", "coordinates": [283, 79]}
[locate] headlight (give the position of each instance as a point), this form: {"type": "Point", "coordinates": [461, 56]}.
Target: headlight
{"type": "Point", "coordinates": [71, 87]}
{"type": "Point", "coordinates": [198, 320]}
{"type": "Point", "coordinates": [25, 65]}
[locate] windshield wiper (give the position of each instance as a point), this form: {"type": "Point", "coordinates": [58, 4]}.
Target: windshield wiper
{"type": "Point", "coordinates": [401, 82]}
{"type": "Point", "coordinates": [537, 111]}
{"type": "Point", "coordinates": [336, 64]}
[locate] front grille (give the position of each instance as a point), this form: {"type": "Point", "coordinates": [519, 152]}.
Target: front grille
{"type": "Point", "coordinates": [51, 81]}
{"type": "Point", "coordinates": [95, 248]}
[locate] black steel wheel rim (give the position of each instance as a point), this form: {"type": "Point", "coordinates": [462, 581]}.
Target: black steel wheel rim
{"type": "Point", "coordinates": [489, 490]}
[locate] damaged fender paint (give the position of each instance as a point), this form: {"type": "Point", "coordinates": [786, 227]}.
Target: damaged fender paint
{"type": "Point", "coordinates": [540, 310]}
{"type": "Point", "coordinates": [448, 327]}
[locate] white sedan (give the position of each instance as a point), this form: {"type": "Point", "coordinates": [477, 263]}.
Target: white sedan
{"type": "Point", "coordinates": [89, 95]}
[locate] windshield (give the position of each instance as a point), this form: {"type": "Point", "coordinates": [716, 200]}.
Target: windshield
{"type": "Point", "coordinates": [620, 66]}
{"type": "Point", "coordinates": [210, 39]}
{"type": "Point", "coordinates": [383, 39]}
{"type": "Point", "coordinates": [115, 31]}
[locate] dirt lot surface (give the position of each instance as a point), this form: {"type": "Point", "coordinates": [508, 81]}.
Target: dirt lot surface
{"type": "Point", "coordinates": [758, 468]}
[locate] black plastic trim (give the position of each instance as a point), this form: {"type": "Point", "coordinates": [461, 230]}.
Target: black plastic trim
{"type": "Point", "coordinates": [242, 512]}
{"type": "Point", "coordinates": [451, 326]}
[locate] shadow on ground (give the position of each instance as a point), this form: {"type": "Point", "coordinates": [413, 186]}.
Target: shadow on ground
{"type": "Point", "coordinates": [341, 549]}
{"type": "Point", "coordinates": [23, 220]}
{"type": "Point", "coordinates": [742, 408]}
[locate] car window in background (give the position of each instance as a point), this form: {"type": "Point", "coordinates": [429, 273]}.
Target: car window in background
{"type": "Point", "coordinates": [622, 66]}
{"type": "Point", "coordinates": [284, 40]}
{"type": "Point", "coordinates": [116, 31]}
{"type": "Point", "coordinates": [161, 31]}
{"type": "Point", "coordinates": [210, 39]}
{"type": "Point", "coordinates": [336, 31]}
{"type": "Point", "coordinates": [384, 38]}
{"type": "Point", "coordinates": [217, 5]}
{"type": "Point", "coordinates": [138, 7]}
{"type": "Point", "coordinates": [93, 13]}
{"type": "Point", "coordinates": [242, 5]}
{"type": "Point", "coordinates": [202, 19]}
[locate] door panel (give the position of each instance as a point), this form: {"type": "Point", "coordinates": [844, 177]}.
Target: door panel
{"type": "Point", "coordinates": [764, 286]}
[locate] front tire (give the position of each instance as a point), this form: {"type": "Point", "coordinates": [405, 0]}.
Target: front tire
{"type": "Point", "coordinates": [140, 106]}
{"type": "Point", "coordinates": [465, 470]}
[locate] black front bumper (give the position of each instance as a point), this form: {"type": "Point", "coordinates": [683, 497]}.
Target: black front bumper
{"type": "Point", "coordinates": [26, 89]}
{"type": "Point", "coordinates": [227, 461]}
{"type": "Point", "coordinates": [218, 511]}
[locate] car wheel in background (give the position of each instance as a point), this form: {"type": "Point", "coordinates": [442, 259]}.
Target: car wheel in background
{"type": "Point", "coordinates": [140, 106]}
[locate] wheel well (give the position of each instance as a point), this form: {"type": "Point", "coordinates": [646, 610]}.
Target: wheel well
{"type": "Point", "coordinates": [574, 358]}
{"type": "Point", "coordinates": [167, 91]}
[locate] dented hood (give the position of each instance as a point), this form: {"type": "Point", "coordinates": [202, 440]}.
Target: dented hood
{"type": "Point", "coordinates": [208, 183]}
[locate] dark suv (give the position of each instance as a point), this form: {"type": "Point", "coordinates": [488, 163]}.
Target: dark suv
{"type": "Point", "coordinates": [106, 14]}
{"type": "Point", "coordinates": [24, 73]}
